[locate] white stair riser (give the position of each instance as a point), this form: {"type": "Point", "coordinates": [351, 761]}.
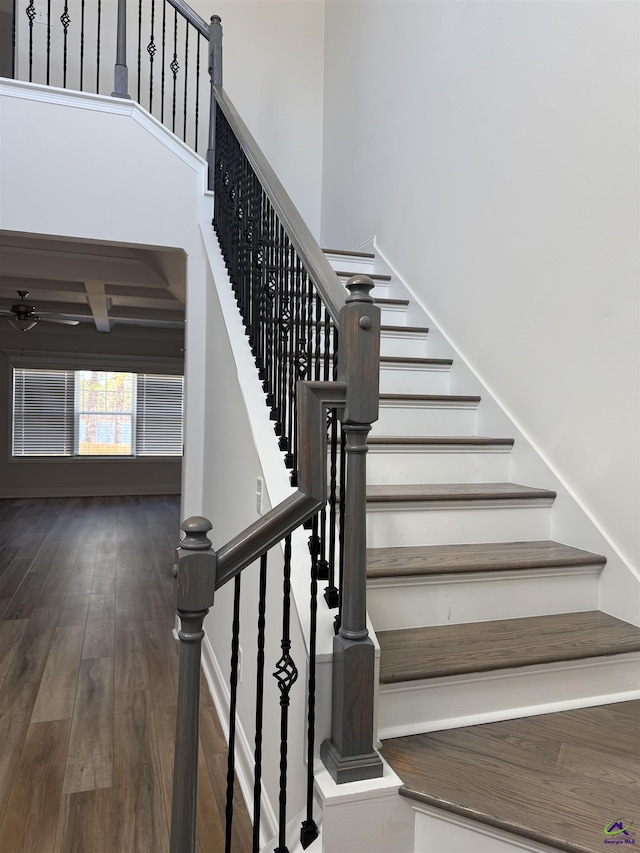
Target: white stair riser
{"type": "Point", "coordinates": [414, 379]}
{"type": "Point", "coordinates": [430, 465]}
{"type": "Point", "coordinates": [456, 523]}
{"type": "Point", "coordinates": [366, 266]}
{"type": "Point", "coordinates": [467, 700]}
{"type": "Point", "coordinates": [480, 597]}
{"type": "Point", "coordinates": [393, 315]}
{"type": "Point", "coordinates": [409, 344]}
{"type": "Point", "coordinates": [425, 419]}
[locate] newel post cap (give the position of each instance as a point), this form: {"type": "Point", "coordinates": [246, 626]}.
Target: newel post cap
{"type": "Point", "coordinates": [196, 528]}
{"type": "Point", "coordinates": [360, 287]}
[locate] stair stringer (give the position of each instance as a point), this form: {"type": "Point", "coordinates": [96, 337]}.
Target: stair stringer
{"type": "Point", "coordinates": [571, 521]}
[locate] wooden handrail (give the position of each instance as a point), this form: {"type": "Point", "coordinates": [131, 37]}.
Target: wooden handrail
{"type": "Point", "coordinates": [193, 17]}
{"type": "Point", "coordinates": [309, 252]}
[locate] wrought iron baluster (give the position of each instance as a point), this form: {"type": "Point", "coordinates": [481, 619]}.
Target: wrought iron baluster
{"type": "Point", "coordinates": [162, 63]}
{"type": "Point", "coordinates": [233, 685]}
{"type": "Point", "coordinates": [186, 81]}
{"type": "Point", "coordinates": [65, 20]}
{"type": "Point", "coordinates": [151, 50]}
{"type": "Point", "coordinates": [309, 829]}
{"type": "Point", "coordinates": [257, 783]}
{"type": "Point", "coordinates": [48, 40]}
{"type": "Point", "coordinates": [286, 675]}
{"type": "Point", "coordinates": [175, 67]}
{"type": "Point", "coordinates": [82, 10]}
{"type": "Point", "coordinates": [31, 13]}
{"type": "Point", "coordinates": [196, 141]}
{"type": "Point", "coordinates": [98, 36]}
{"type": "Point", "coordinates": [139, 47]}
{"type": "Point", "coordinates": [331, 591]}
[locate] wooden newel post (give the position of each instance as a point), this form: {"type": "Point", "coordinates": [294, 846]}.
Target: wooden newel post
{"type": "Point", "coordinates": [120, 71]}
{"type": "Point", "coordinates": [215, 73]}
{"type": "Point", "coordinates": [349, 754]}
{"type": "Point", "coordinates": [196, 579]}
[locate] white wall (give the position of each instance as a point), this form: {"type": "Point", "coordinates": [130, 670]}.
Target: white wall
{"type": "Point", "coordinates": [273, 61]}
{"type": "Point", "coordinates": [492, 148]}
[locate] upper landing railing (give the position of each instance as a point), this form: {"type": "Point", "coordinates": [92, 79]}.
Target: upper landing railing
{"type": "Point", "coordinates": [317, 354]}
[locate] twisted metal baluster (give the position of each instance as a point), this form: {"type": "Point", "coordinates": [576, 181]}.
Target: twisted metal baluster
{"type": "Point", "coordinates": [196, 145]}
{"type": "Point", "coordinates": [233, 685]}
{"type": "Point", "coordinates": [175, 67]}
{"type": "Point", "coordinates": [257, 786]}
{"type": "Point", "coordinates": [286, 675]}
{"type": "Point", "coordinates": [162, 63]}
{"type": "Point", "coordinates": [48, 40]}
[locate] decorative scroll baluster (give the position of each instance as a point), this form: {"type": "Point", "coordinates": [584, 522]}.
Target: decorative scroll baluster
{"type": "Point", "coordinates": [286, 675]}
{"type": "Point", "coordinates": [175, 67]}
{"type": "Point", "coordinates": [151, 50]}
{"type": "Point", "coordinates": [233, 684]}
{"type": "Point", "coordinates": [31, 14]}
{"type": "Point", "coordinates": [309, 829]}
{"type": "Point", "coordinates": [65, 20]}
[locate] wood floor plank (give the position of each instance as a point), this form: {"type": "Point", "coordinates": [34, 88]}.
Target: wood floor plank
{"type": "Point", "coordinates": [13, 731]}
{"type": "Point", "coordinates": [84, 824]}
{"type": "Point", "coordinates": [57, 692]}
{"type": "Point", "coordinates": [90, 758]}
{"type": "Point", "coordinates": [138, 790]}
{"type": "Point", "coordinates": [162, 661]}
{"type": "Point", "coordinates": [131, 668]}
{"type": "Point", "coordinates": [100, 632]}
{"type": "Point", "coordinates": [10, 635]}
{"type": "Point", "coordinates": [74, 610]}
{"type": "Point", "coordinates": [22, 679]}
{"type": "Point", "coordinates": [24, 601]}
{"type": "Point", "coordinates": [31, 817]}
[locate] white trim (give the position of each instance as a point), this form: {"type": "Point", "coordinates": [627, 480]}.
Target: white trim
{"type": "Point", "coordinates": [106, 104]}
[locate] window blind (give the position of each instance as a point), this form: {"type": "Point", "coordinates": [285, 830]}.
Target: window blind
{"type": "Point", "coordinates": [159, 412]}
{"type": "Point", "coordinates": [43, 412]}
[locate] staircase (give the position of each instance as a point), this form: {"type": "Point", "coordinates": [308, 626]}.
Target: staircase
{"type": "Point", "coordinates": [480, 616]}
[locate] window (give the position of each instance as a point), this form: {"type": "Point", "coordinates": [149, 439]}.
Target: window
{"type": "Point", "coordinates": [96, 413]}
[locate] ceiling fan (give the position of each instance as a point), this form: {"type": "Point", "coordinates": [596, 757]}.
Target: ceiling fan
{"type": "Point", "coordinates": [24, 317]}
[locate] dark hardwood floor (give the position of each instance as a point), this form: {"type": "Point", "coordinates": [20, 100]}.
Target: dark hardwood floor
{"type": "Point", "coordinates": [559, 779]}
{"type": "Point", "coordinates": [88, 682]}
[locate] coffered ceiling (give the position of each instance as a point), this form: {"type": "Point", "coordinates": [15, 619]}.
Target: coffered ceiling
{"type": "Point", "coordinates": [101, 285]}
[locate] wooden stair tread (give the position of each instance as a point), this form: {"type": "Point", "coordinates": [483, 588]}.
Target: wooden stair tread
{"type": "Point", "coordinates": [412, 329]}
{"type": "Point", "coordinates": [411, 654]}
{"type": "Point", "coordinates": [399, 359]}
{"type": "Point", "coordinates": [554, 778]}
{"type": "Point", "coordinates": [375, 276]}
{"type": "Point", "coordinates": [430, 398]}
{"type": "Point", "coordinates": [428, 560]}
{"type": "Point", "coordinates": [349, 254]}
{"type": "Point", "coordinates": [455, 492]}
{"type": "Point", "coordinates": [437, 440]}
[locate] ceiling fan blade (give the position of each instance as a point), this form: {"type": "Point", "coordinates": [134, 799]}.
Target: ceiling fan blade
{"type": "Point", "coordinates": [60, 321]}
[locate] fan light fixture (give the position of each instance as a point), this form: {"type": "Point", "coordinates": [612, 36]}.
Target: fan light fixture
{"type": "Point", "coordinates": [22, 324]}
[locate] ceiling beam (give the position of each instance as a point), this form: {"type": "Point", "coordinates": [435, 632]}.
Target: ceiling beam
{"type": "Point", "coordinates": [99, 305]}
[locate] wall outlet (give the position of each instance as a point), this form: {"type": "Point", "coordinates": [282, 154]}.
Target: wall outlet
{"type": "Point", "coordinates": [259, 495]}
